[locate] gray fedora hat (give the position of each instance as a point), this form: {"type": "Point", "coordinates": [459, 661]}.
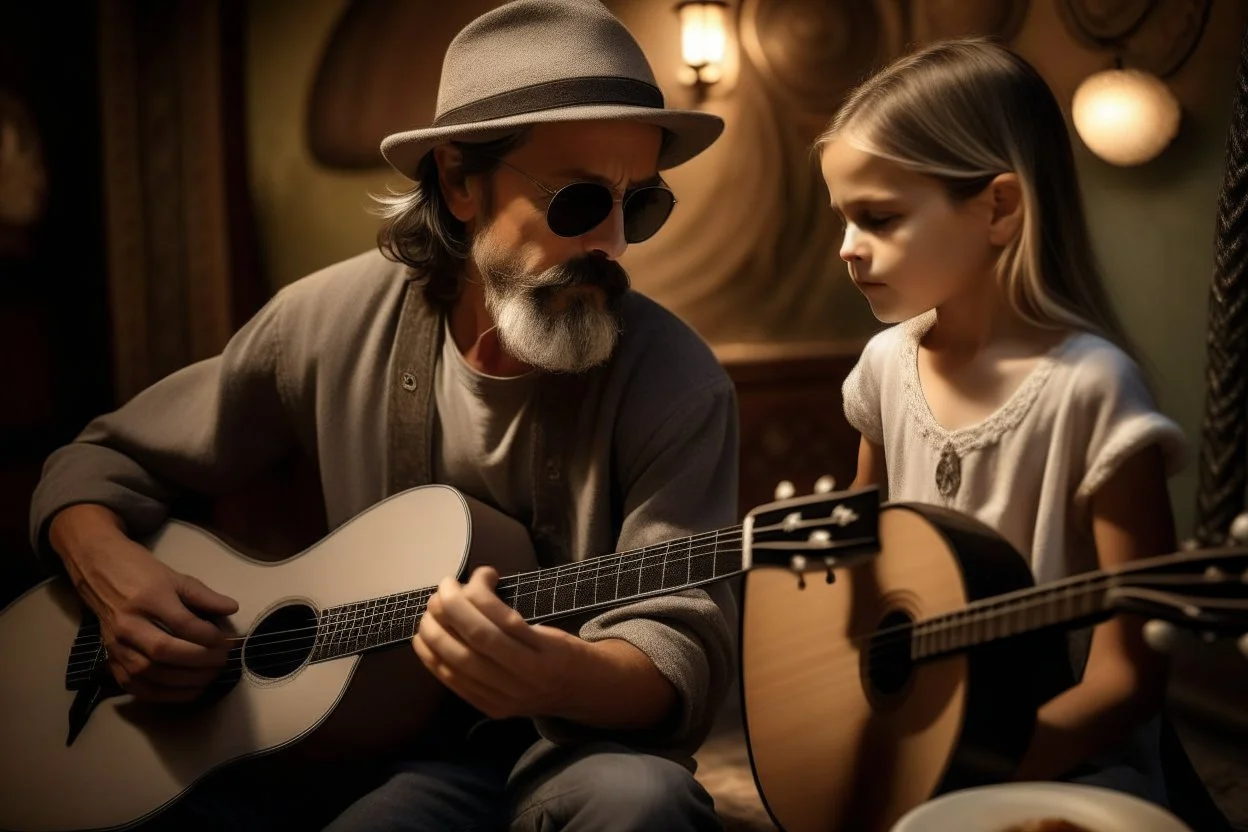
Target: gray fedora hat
{"type": "Point", "coordinates": [535, 61]}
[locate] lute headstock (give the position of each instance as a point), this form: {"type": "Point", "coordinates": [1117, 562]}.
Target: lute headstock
{"type": "Point", "coordinates": [826, 530]}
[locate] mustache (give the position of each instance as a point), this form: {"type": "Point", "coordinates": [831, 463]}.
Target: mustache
{"type": "Point", "coordinates": [583, 271]}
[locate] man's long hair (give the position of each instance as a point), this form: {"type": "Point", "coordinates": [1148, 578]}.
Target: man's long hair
{"type": "Point", "coordinates": [418, 228]}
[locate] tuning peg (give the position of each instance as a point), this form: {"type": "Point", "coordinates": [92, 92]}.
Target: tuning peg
{"type": "Point", "coordinates": [825, 485]}
{"type": "Point", "coordinates": [798, 564]}
{"type": "Point", "coordinates": [1159, 635]}
{"type": "Point", "coordinates": [1239, 529]}
{"type": "Point", "coordinates": [784, 490]}
{"type": "Point", "coordinates": [1190, 545]}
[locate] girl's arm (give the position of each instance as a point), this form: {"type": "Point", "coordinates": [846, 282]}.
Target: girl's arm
{"type": "Point", "coordinates": [871, 469]}
{"type": "Point", "coordinates": [1124, 683]}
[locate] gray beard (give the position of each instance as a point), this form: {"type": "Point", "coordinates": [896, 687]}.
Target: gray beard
{"type": "Point", "coordinates": [575, 339]}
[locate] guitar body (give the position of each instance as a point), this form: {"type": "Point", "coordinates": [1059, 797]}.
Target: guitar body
{"type": "Point", "coordinates": [843, 733]}
{"type": "Point", "coordinates": [132, 759]}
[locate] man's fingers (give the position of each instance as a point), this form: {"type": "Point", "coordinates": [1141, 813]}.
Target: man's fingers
{"type": "Point", "coordinates": [150, 681]}
{"type": "Point", "coordinates": [450, 651]}
{"type": "Point", "coordinates": [200, 597]}
{"type": "Point", "coordinates": [145, 643]}
{"type": "Point", "coordinates": [179, 621]}
{"type": "Point", "coordinates": [498, 617]}
{"type": "Point", "coordinates": [480, 696]}
{"type": "Point", "coordinates": [485, 576]}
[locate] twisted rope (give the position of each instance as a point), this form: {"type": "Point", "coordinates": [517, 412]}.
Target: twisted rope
{"type": "Point", "coordinates": [1224, 433]}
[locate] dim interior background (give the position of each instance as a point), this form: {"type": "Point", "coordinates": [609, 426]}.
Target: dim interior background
{"type": "Point", "coordinates": [164, 167]}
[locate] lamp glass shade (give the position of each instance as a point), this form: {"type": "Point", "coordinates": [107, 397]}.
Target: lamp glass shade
{"type": "Point", "coordinates": [1125, 116]}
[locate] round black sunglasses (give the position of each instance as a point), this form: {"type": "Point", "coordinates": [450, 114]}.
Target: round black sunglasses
{"type": "Point", "coordinates": [580, 207]}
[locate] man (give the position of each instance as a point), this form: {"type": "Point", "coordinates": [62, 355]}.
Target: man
{"type": "Point", "coordinates": [494, 347]}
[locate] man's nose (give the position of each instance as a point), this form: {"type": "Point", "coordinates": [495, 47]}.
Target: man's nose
{"type": "Point", "coordinates": [606, 239]}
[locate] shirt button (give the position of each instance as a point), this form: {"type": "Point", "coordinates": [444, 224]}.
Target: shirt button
{"type": "Point", "coordinates": [408, 381]}
{"type": "Point", "coordinates": [552, 470]}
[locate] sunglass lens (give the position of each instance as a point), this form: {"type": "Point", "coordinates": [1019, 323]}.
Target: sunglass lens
{"type": "Point", "coordinates": [578, 208]}
{"type": "Point", "coordinates": [645, 211]}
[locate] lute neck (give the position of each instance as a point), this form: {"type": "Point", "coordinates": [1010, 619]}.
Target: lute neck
{"type": "Point", "coordinates": [1069, 603]}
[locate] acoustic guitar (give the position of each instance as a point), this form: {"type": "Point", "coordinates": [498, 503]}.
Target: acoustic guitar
{"type": "Point", "coordinates": [872, 688]}
{"type": "Point", "coordinates": [321, 662]}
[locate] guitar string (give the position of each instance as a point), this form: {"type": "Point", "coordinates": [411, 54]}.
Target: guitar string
{"type": "Point", "coordinates": [584, 571]}
{"type": "Point", "coordinates": [983, 608]}
{"type": "Point", "coordinates": [599, 565]}
{"type": "Point", "coordinates": [414, 600]}
{"type": "Point", "coordinates": [884, 639]}
{"type": "Point", "coordinates": [838, 656]}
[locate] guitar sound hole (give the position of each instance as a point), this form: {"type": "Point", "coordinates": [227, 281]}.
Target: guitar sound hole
{"type": "Point", "coordinates": [281, 642]}
{"type": "Point", "coordinates": [888, 660]}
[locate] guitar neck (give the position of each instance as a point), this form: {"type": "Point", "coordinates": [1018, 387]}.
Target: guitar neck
{"type": "Point", "coordinates": [546, 594]}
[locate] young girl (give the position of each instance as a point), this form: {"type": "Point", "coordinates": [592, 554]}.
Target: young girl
{"type": "Point", "coordinates": [1007, 390]}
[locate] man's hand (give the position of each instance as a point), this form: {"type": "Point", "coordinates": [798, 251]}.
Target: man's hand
{"type": "Point", "coordinates": [487, 653]}
{"type": "Point", "coordinates": [159, 649]}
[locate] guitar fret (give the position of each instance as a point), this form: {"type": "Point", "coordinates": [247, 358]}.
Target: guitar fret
{"type": "Point", "coordinates": [544, 598]}
{"type": "Point", "coordinates": [565, 595]}
{"type": "Point", "coordinates": [663, 579]}
{"type": "Point", "coordinates": [715, 556]}
{"type": "Point", "coordinates": [604, 587]}
{"type": "Point", "coordinates": [651, 575]}
{"type": "Point", "coordinates": [702, 565]}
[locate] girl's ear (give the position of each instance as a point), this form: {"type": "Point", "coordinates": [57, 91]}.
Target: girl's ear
{"type": "Point", "coordinates": [453, 183]}
{"type": "Point", "coordinates": [1006, 193]}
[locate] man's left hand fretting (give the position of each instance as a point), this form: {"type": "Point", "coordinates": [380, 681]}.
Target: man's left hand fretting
{"type": "Point", "coordinates": [486, 652]}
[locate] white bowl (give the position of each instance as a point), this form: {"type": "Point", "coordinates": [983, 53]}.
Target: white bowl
{"type": "Point", "coordinates": [996, 808]}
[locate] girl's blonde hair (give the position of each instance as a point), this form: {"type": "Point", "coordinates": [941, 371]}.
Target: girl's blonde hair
{"type": "Point", "coordinates": [963, 111]}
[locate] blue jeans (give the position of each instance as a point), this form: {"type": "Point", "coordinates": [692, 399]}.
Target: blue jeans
{"type": "Point", "coordinates": [603, 786]}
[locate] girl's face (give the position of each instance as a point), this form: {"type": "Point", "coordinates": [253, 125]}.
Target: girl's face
{"type": "Point", "coordinates": [909, 247]}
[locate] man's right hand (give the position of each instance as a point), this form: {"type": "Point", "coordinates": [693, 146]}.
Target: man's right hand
{"type": "Point", "coordinates": [154, 621]}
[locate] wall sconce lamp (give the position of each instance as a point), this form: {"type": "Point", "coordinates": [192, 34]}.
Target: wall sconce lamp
{"type": "Point", "coordinates": [703, 41]}
{"type": "Point", "coordinates": [1125, 116]}
{"type": "Point", "coordinates": [1128, 116]}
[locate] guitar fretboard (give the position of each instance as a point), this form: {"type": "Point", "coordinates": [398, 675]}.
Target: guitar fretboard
{"type": "Point", "coordinates": [546, 594]}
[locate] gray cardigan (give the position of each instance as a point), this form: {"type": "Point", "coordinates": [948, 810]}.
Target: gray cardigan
{"type": "Point", "coordinates": [340, 365]}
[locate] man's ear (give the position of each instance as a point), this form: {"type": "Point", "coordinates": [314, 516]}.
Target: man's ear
{"type": "Point", "coordinates": [453, 183]}
{"type": "Point", "coordinates": [1008, 208]}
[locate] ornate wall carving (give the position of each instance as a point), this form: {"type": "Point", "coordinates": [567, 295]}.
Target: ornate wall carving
{"type": "Point", "coordinates": [1154, 35]}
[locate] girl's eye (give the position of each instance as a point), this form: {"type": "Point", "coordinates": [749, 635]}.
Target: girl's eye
{"type": "Point", "coordinates": [876, 222]}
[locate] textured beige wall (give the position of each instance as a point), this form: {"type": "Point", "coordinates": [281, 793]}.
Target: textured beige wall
{"type": "Point", "coordinates": [750, 253]}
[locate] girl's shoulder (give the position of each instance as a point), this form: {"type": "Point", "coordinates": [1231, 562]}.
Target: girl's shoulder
{"type": "Point", "coordinates": [1106, 400]}
{"type": "Point", "coordinates": [1093, 369]}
